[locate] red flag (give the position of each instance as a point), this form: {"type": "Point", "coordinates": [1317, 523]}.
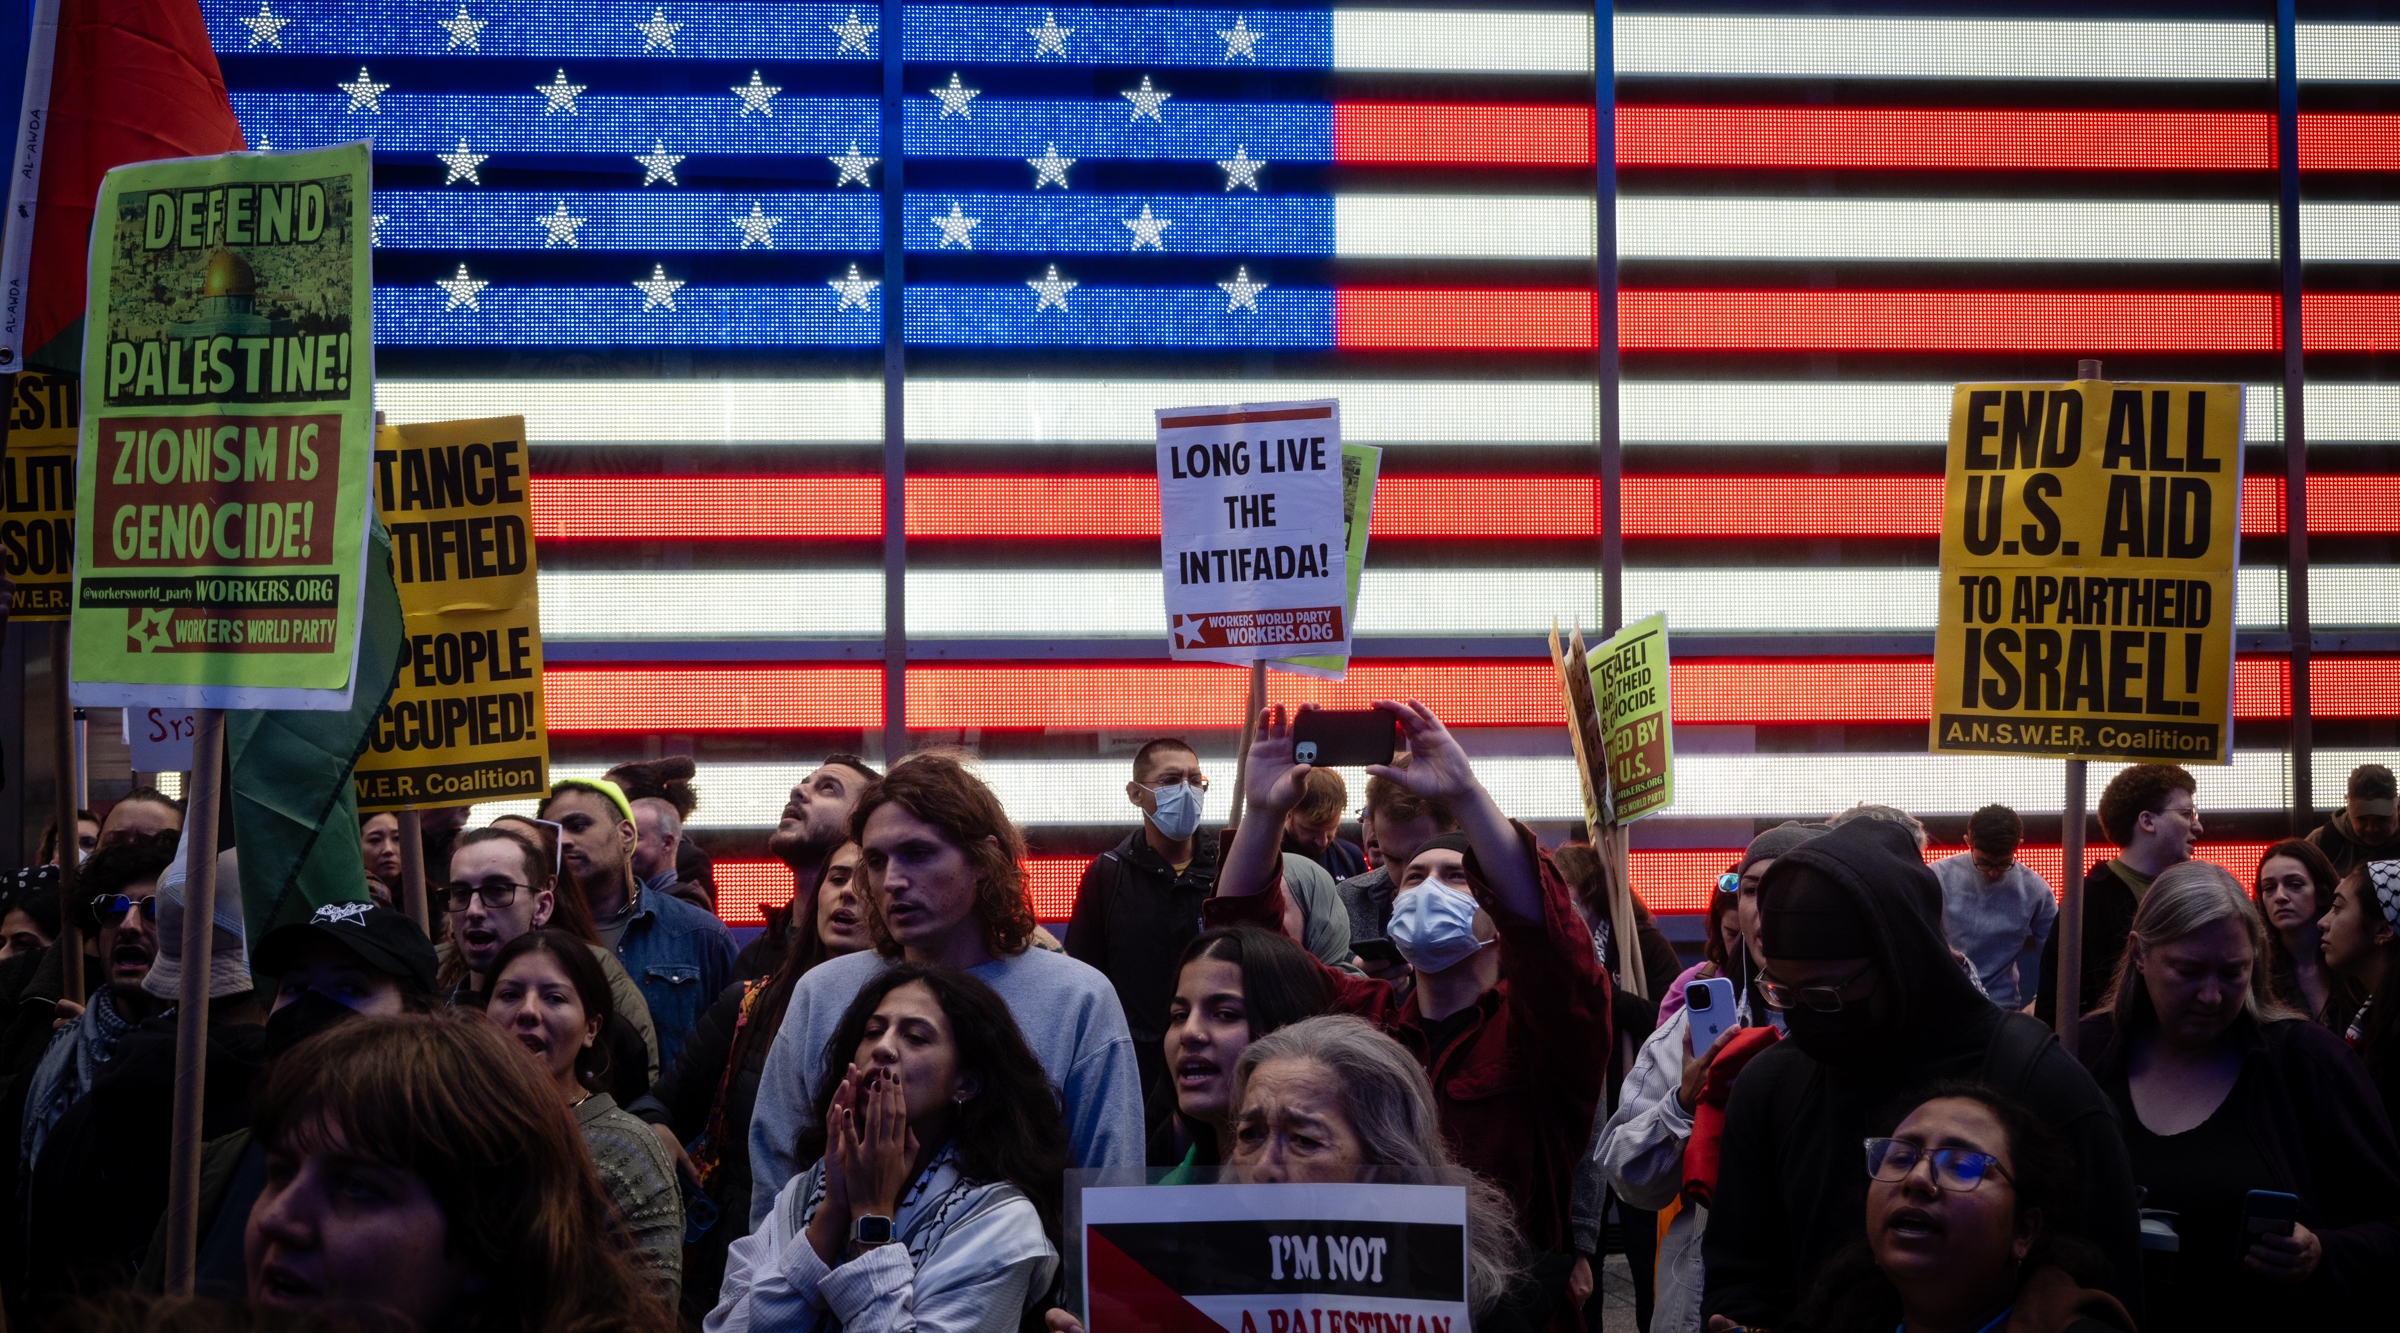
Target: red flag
{"type": "Point", "coordinates": [130, 81]}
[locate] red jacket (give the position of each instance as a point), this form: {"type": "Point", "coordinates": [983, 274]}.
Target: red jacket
{"type": "Point", "coordinates": [1518, 1090]}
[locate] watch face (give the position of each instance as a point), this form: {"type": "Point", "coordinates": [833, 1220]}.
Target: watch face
{"type": "Point", "coordinates": [871, 1230]}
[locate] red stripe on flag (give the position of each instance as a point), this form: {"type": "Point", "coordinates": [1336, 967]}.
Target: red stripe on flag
{"type": "Point", "coordinates": [1473, 134]}
{"type": "Point", "coordinates": [1953, 321]}
{"type": "Point", "coordinates": [1523, 320]}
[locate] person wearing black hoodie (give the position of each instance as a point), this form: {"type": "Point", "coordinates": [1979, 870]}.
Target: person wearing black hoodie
{"type": "Point", "coordinates": [1876, 1007]}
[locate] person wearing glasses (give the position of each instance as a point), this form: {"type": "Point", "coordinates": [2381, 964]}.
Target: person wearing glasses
{"type": "Point", "coordinates": [1874, 1006]}
{"type": "Point", "coordinates": [1965, 1199]}
{"type": "Point", "coordinates": [501, 885]}
{"type": "Point", "coordinates": [1139, 903]}
{"type": "Point", "coordinates": [2223, 1091]}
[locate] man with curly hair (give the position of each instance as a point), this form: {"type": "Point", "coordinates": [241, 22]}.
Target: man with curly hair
{"type": "Point", "coordinates": [2146, 811]}
{"type": "Point", "coordinates": [945, 875]}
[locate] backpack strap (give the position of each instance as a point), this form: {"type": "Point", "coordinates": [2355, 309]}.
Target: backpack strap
{"type": "Point", "coordinates": [2016, 1048]}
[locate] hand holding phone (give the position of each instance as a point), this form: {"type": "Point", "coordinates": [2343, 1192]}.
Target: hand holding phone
{"type": "Point", "coordinates": [2273, 1243]}
{"type": "Point", "coordinates": [1344, 737]}
{"type": "Point", "coordinates": [1710, 1004]}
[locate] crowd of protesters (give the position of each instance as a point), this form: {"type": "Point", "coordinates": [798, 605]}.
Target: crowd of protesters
{"type": "Point", "coordinates": [573, 1101]}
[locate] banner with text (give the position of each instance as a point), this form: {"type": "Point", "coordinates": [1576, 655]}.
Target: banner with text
{"type": "Point", "coordinates": [1634, 700]}
{"type": "Point", "coordinates": [37, 480]}
{"type": "Point", "coordinates": [2088, 553]}
{"type": "Point", "coordinates": [1278, 1258]}
{"type": "Point", "coordinates": [221, 499]}
{"type": "Point", "coordinates": [1251, 534]}
{"type": "Point", "coordinates": [465, 721]}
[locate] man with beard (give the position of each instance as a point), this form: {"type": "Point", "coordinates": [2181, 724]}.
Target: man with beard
{"type": "Point", "coordinates": [679, 955]}
{"type": "Point", "coordinates": [120, 914]}
{"type": "Point", "coordinates": [1876, 1006]}
{"type": "Point", "coordinates": [815, 823]}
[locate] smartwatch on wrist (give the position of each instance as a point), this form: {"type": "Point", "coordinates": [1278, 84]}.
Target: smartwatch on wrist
{"type": "Point", "coordinates": [871, 1229]}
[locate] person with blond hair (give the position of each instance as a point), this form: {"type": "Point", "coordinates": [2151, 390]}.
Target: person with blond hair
{"type": "Point", "coordinates": [2222, 1091]}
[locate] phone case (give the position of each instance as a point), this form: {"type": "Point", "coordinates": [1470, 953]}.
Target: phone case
{"type": "Point", "coordinates": [1710, 1023]}
{"type": "Point", "coordinates": [1345, 738]}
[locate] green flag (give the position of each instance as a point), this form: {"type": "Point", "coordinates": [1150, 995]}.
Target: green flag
{"type": "Point", "coordinates": [295, 812]}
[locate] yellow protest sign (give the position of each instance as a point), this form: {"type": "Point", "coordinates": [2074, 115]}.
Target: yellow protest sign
{"type": "Point", "coordinates": [2089, 540]}
{"type": "Point", "coordinates": [465, 721]}
{"type": "Point", "coordinates": [37, 483]}
{"type": "Point", "coordinates": [1634, 699]}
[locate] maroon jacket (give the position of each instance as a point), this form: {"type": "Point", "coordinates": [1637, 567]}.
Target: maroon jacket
{"type": "Point", "coordinates": [1518, 1090]}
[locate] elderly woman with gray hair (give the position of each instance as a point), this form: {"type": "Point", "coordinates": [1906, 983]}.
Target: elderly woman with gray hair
{"type": "Point", "coordinates": [2258, 1129]}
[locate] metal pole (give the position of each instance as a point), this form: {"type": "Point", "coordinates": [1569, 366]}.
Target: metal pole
{"type": "Point", "coordinates": [191, 1014]}
{"type": "Point", "coordinates": [1608, 370]}
{"type": "Point", "coordinates": [412, 871]}
{"type": "Point", "coordinates": [895, 400]}
{"type": "Point", "coordinates": [2069, 995]}
{"type": "Point", "coordinates": [1256, 704]}
{"type": "Point", "coordinates": [83, 761]}
{"type": "Point", "coordinates": [2295, 430]}
{"type": "Point", "coordinates": [70, 914]}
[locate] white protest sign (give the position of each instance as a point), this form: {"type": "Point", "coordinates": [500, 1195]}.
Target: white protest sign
{"type": "Point", "coordinates": [160, 738]}
{"type": "Point", "coordinates": [1251, 538]}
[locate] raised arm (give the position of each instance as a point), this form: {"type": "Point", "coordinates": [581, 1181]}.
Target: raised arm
{"type": "Point", "coordinates": [1438, 770]}
{"type": "Point", "coordinates": [1255, 860]}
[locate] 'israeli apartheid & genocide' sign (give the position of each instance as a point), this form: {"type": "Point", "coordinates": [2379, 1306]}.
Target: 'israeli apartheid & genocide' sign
{"type": "Point", "coordinates": [2089, 540]}
{"type": "Point", "coordinates": [464, 722]}
{"type": "Point", "coordinates": [221, 498]}
{"type": "Point", "coordinates": [1252, 541]}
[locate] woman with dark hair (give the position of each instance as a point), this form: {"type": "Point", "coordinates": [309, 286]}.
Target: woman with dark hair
{"type": "Point", "coordinates": [28, 923]}
{"type": "Point", "coordinates": [2293, 889]}
{"type": "Point", "coordinates": [2362, 943]}
{"type": "Point", "coordinates": [1965, 1203]}
{"type": "Point", "coordinates": [1232, 987]}
{"type": "Point", "coordinates": [418, 1166]}
{"type": "Point", "coordinates": [934, 1203]}
{"type": "Point", "coordinates": [2221, 1093]}
{"type": "Point", "coordinates": [706, 1097]}
{"type": "Point", "coordinates": [379, 855]}
{"type": "Point", "coordinates": [549, 994]}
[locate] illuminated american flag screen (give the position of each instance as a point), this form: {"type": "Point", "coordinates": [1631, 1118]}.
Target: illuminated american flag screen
{"type": "Point", "coordinates": [657, 231]}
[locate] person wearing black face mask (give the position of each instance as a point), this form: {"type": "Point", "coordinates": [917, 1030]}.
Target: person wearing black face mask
{"type": "Point", "coordinates": [346, 960]}
{"type": "Point", "coordinates": [1875, 1006]}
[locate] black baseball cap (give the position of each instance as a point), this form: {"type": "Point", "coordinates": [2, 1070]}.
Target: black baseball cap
{"type": "Point", "coordinates": [382, 938]}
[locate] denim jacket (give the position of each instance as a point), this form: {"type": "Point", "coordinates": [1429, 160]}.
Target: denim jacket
{"type": "Point", "coordinates": [681, 957]}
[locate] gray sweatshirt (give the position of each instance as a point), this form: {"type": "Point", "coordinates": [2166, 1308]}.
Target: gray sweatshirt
{"type": "Point", "coordinates": [1070, 1017]}
{"type": "Point", "coordinates": [1999, 927]}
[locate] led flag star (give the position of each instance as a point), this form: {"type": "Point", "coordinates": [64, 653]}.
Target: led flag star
{"type": "Point", "coordinates": [375, 223]}
{"type": "Point", "coordinates": [1050, 168]}
{"type": "Point", "coordinates": [462, 289]}
{"type": "Point", "coordinates": [561, 94]}
{"type": "Point", "coordinates": [1241, 170]}
{"type": "Point", "coordinates": [658, 164]}
{"type": "Point", "coordinates": [755, 96]}
{"type": "Point", "coordinates": [658, 34]}
{"type": "Point", "coordinates": [155, 617]}
{"type": "Point", "coordinates": [463, 29]}
{"type": "Point", "coordinates": [1049, 39]}
{"type": "Point", "coordinates": [853, 33]}
{"type": "Point", "coordinates": [1241, 293]}
{"type": "Point", "coordinates": [462, 165]}
{"type": "Point", "coordinates": [957, 227]}
{"type": "Point", "coordinates": [658, 289]}
{"type": "Point", "coordinates": [1147, 230]}
{"type": "Point", "coordinates": [265, 27]}
{"type": "Point", "coordinates": [853, 290]}
{"type": "Point", "coordinates": [364, 92]}
{"type": "Point", "coordinates": [558, 228]}
{"type": "Point", "coordinates": [955, 98]}
{"type": "Point", "coordinates": [757, 227]}
{"type": "Point", "coordinates": [853, 167]}
{"type": "Point", "coordinates": [264, 145]}
{"type": "Point", "coordinates": [1146, 100]}
{"type": "Point", "coordinates": [1052, 289]}
{"type": "Point", "coordinates": [1240, 41]}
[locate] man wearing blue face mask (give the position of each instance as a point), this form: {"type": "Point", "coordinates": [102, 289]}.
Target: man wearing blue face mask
{"type": "Point", "coordinates": [1509, 1012]}
{"type": "Point", "coordinates": [1139, 903]}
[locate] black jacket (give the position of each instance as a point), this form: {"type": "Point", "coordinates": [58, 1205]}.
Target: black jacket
{"type": "Point", "coordinates": [2316, 1119]}
{"type": "Point", "coordinates": [2342, 846]}
{"type": "Point", "coordinates": [1133, 915]}
{"type": "Point", "coordinates": [1791, 1184]}
{"type": "Point", "coordinates": [2108, 906]}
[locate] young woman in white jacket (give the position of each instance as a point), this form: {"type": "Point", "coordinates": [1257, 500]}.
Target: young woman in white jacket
{"type": "Point", "coordinates": [934, 1202]}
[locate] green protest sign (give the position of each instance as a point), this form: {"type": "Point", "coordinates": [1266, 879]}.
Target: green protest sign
{"type": "Point", "coordinates": [1362, 464]}
{"type": "Point", "coordinates": [222, 488]}
{"type": "Point", "coordinates": [1634, 697]}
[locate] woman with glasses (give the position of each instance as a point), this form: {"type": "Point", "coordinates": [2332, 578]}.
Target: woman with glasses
{"type": "Point", "coordinates": [501, 886]}
{"type": "Point", "coordinates": [2223, 1092]}
{"type": "Point", "coordinates": [548, 996]}
{"type": "Point", "coordinates": [1964, 1204]}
